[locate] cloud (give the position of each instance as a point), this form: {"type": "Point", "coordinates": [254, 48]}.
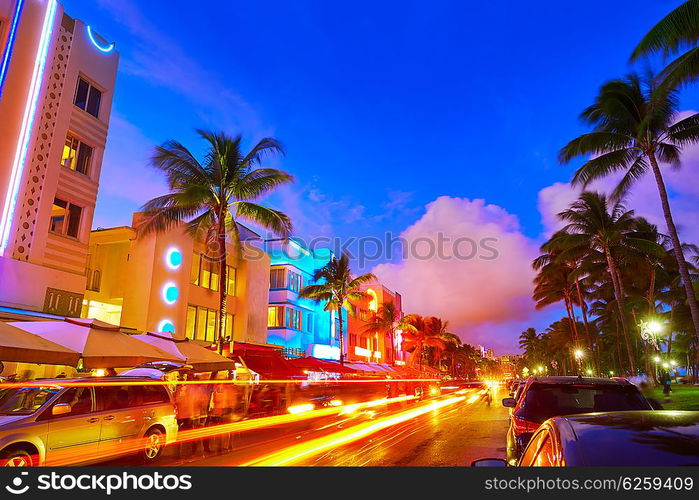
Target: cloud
{"type": "Point", "coordinates": [470, 293]}
{"type": "Point", "coordinates": [643, 198]}
{"type": "Point", "coordinates": [126, 180]}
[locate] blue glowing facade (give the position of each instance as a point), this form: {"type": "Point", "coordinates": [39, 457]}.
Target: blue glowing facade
{"type": "Point", "coordinates": [295, 323]}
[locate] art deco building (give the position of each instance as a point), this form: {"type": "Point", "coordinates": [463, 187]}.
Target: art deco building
{"type": "Point", "coordinates": [57, 77]}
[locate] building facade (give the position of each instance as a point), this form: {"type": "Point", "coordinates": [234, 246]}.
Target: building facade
{"type": "Point", "coordinates": [57, 78]}
{"type": "Point", "coordinates": [366, 345]}
{"type": "Point", "coordinates": [303, 327]}
{"type": "Point", "coordinates": [166, 282]}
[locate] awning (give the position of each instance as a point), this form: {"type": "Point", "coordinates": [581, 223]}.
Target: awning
{"type": "Point", "coordinates": [100, 344]}
{"type": "Point", "coordinates": [272, 367]}
{"type": "Point", "coordinates": [320, 365]}
{"type": "Point", "coordinates": [192, 353]}
{"type": "Point", "coordinates": [20, 346]}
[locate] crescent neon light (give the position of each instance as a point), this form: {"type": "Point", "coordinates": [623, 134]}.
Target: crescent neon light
{"type": "Point", "coordinates": [170, 293]}
{"type": "Point", "coordinates": [10, 44]}
{"type": "Point", "coordinates": [173, 258]}
{"type": "Point", "coordinates": [27, 122]}
{"type": "Point", "coordinates": [166, 326]}
{"type": "Point", "coordinates": [96, 43]}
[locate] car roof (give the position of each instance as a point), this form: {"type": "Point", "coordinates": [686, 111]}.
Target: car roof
{"type": "Point", "coordinates": [632, 438]}
{"type": "Point", "coordinates": [578, 380]}
{"type": "Point", "coordinates": [96, 380]}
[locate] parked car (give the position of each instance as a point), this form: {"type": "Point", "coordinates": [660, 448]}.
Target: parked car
{"type": "Point", "coordinates": [53, 423]}
{"type": "Point", "coordinates": [546, 397]}
{"type": "Point", "coordinates": [630, 438]}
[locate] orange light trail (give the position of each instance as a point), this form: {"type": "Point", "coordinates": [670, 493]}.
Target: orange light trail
{"type": "Point", "coordinates": [93, 382]}
{"type": "Point", "coordinates": [68, 457]}
{"type": "Point", "coordinates": [296, 452]}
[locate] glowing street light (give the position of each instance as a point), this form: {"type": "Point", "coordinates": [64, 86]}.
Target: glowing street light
{"type": "Point", "coordinates": [666, 365]}
{"type": "Point", "coordinates": [579, 354]}
{"type": "Point", "coordinates": [656, 359]}
{"type": "Point", "coordinates": [673, 362]}
{"type": "Point", "coordinates": [588, 372]}
{"type": "Point", "coordinates": [655, 327]}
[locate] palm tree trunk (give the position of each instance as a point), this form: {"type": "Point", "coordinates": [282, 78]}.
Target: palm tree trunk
{"type": "Point", "coordinates": [222, 288]}
{"type": "Point", "coordinates": [342, 340]}
{"type": "Point", "coordinates": [620, 305]}
{"type": "Point", "coordinates": [679, 254]}
{"type": "Point", "coordinates": [583, 308]}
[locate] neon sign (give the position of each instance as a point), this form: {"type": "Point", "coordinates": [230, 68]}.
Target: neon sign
{"type": "Point", "coordinates": [103, 48]}
{"type": "Point", "coordinates": [10, 44]}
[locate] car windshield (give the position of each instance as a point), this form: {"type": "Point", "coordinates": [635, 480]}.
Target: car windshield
{"type": "Point", "coordinates": [24, 400]}
{"type": "Point", "coordinates": [543, 401]}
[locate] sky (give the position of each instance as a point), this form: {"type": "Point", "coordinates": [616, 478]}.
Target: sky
{"type": "Point", "coordinates": [411, 120]}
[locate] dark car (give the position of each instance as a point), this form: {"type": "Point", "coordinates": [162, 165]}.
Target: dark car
{"type": "Point", "coordinates": [630, 438]}
{"type": "Point", "coordinates": [546, 397]}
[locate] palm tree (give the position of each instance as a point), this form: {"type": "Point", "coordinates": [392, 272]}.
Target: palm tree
{"type": "Point", "coordinates": [386, 320]}
{"type": "Point", "coordinates": [594, 227]}
{"type": "Point", "coordinates": [419, 333]}
{"type": "Point", "coordinates": [676, 32]}
{"type": "Point", "coordinates": [336, 286]}
{"type": "Point", "coordinates": [212, 195]}
{"type": "Point", "coordinates": [635, 129]}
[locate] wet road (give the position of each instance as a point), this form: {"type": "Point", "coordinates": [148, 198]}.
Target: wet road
{"type": "Point", "coordinates": [463, 429]}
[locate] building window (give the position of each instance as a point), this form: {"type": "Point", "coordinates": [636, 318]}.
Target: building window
{"type": "Point", "coordinates": [276, 278]}
{"type": "Point", "coordinates": [76, 155]}
{"type": "Point", "coordinates": [293, 318]}
{"type": "Point", "coordinates": [363, 315]}
{"type": "Point", "coordinates": [205, 274]}
{"type": "Point", "coordinates": [295, 282]}
{"type": "Point", "coordinates": [65, 218]}
{"type": "Point", "coordinates": [275, 316]}
{"type": "Point", "coordinates": [309, 322]}
{"type": "Point", "coordinates": [88, 97]}
{"type": "Point", "coordinates": [202, 324]}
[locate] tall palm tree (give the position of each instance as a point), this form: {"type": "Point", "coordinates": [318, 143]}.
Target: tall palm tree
{"type": "Point", "coordinates": [635, 130]}
{"type": "Point", "coordinates": [210, 196]}
{"type": "Point", "coordinates": [336, 286]}
{"type": "Point", "coordinates": [593, 226]}
{"type": "Point", "coordinates": [675, 33]}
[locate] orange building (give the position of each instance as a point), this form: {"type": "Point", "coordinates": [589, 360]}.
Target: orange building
{"type": "Point", "coordinates": [363, 345]}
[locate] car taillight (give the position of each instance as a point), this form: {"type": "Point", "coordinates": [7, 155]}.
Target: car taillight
{"type": "Point", "coordinates": [523, 425]}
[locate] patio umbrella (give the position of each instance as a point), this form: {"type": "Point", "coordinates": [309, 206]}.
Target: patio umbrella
{"type": "Point", "coordinates": [19, 346]}
{"type": "Point", "coordinates": [100, 344]}
{"type": "Point", "coordinates": [189, 351]}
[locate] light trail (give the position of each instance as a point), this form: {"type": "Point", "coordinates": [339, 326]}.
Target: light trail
{"type": "Point", "coordinates": [294, 453]}
{"type": "Point", "coordinates": [94, 382]}
{"type": "Point", "coordinates": [129, 446]}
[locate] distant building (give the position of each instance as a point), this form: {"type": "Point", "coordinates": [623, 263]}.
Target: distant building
{"type": "Point", "coordinates": [303, 327]}
{"type": "Point", "coordinates": [165, 282]}
{"type": "Point", "coordinates": [363, 345]}
{"type": "Point", "coordinates": [57, 78]}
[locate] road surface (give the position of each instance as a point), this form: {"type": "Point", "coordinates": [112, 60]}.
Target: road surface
{"type": "Point", "coordinates": [451, 430]}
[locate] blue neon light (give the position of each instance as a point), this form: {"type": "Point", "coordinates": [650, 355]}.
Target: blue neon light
{"type": "Point", "coordinates": [27, 124]}
{"type": "Point", "coordinates": [166, 326]}
{"type": "Point", "coordinates": [170, 293]}
{"type": "Point", "coordinates": [173, 258]}
{"type": "Point", "coordinates": [106, 49]}
{"type": "Point", "coordinates": [10, 44]}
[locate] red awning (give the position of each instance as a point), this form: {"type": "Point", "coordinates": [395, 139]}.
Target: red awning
{"type": "Point", "coordinates": [320, 365]}
{"type": "Point", "coordinates": [272, 367]}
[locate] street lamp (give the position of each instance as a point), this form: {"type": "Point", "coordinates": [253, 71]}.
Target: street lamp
{"type": "Point", "coordinates": [579, 354]}
{"type": "Point", "coordinates": [656, 359]}
{"type": "Point", "coordinates": [588, 372]}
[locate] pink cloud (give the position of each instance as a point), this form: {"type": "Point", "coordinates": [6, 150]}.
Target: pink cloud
{"type": "Point", "coordinates": [470, 293]}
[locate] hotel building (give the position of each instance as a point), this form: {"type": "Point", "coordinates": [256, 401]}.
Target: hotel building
{"type": "Point", "coordinates": [364, 345]}
{"type": "Point", "coordinates": [301, 326]}
{"type": "Point", "coordinates": [57, 79]}
{"type": "Point", "coordinates": [166, 282]}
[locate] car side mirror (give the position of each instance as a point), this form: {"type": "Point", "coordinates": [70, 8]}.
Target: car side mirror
{"type": "Point", "coordinates": [489, 462]}
{"type": "Point", "coordinates": [509, 402]}
{"type": "Point", "coordinates": [61, 409]}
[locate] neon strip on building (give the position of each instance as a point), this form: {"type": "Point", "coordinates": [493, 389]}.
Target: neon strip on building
{"type": "Point", "coordinates": [27, 122]}
{"type": "Point", "coordinates": [10, 44]}
{"type": "Point", "coordinates": [103, 48]}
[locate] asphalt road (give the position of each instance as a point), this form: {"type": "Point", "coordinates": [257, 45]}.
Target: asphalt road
{"type": "Point", "coordinates": [452, 435]}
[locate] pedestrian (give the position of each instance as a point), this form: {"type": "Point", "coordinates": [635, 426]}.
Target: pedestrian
{"type": "Point", "coordinates": [184, 407]}
{"type": "Point", "coordinates": [223, 402]}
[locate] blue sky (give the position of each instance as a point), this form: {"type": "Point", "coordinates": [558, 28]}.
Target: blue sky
{"type": "Point", "coordinates": [383, 107]}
